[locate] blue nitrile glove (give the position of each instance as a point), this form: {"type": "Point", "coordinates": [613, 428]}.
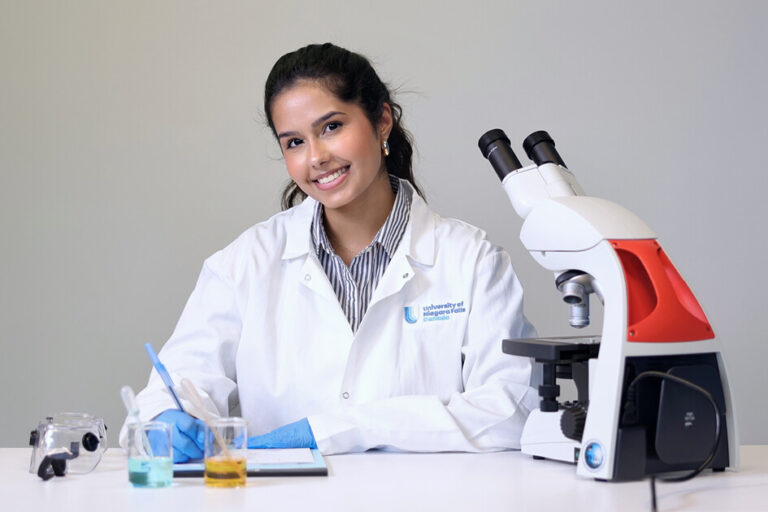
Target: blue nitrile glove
{"type": "Point", "coordinates": [293, 435]}
{"type": "Point", "coordinates": [188, 435]}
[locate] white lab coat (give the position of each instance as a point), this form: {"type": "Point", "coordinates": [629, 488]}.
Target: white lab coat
{"type": "Point", "coordinates": [263, 337]}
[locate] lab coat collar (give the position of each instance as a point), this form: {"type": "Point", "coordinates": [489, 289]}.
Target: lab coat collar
{"type": "Point", "coordinates": [298, 225]}
{"type": "Point", "coordinates": [418, 239]}
{"type": "Point", "coordinates": [419, 236]}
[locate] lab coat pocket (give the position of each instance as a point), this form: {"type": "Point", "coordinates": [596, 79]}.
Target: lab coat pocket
{"type": "Point", "coordinates": [430, 356]}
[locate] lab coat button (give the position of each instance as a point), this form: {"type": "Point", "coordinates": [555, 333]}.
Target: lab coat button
{"type": "Point", "coordinates": [307, 277]}
{"type": "Point", "coordinates": [345, 395]}
{"type": "Point", "coordinates": [405, 276]}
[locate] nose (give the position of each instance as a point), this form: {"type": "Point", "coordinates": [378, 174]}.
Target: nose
{"type": "Point", "coordinates": [319, 154]}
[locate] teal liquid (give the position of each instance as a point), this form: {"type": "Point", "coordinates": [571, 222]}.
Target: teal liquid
{"type": "Point", "coordinates": [146, 472]}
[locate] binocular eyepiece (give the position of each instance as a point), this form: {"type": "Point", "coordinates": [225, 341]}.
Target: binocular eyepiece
{"type": "Point", "coordinates": [539, 146]}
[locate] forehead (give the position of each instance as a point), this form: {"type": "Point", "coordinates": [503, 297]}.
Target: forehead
{"type": "Point", "coordinates": [305, 102]}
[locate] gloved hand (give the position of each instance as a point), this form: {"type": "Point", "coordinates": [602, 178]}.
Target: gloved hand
{"type": "Point", "coordinates": [293, 435]}
{"type": "Point", "coordinates": [187, 433]}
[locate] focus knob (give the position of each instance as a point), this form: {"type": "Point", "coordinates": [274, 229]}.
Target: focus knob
{"type": "Point", "coordinates": [572, 422]}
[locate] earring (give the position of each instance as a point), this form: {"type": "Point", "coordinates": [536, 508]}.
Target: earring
{"type": "Point", "coordinates": [385, 148]}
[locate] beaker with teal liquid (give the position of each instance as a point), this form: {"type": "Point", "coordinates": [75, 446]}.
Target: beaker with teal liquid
{"type": "Point", "coordinates": [150, 454]}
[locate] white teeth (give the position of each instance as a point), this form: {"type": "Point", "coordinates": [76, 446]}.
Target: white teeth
{"type": "Point", "coordinates": [332, 177]}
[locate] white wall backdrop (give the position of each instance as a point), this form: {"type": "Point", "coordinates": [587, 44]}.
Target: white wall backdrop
{"type": "Point", "coordinates": [132, 146]}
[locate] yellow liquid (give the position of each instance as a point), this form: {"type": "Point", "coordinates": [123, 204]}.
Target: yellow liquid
{"type": "Point", "coordinates": [223, 472]}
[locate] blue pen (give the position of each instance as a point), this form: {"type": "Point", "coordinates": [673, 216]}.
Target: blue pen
{"type": "Point", "coordinates": [163, 374]}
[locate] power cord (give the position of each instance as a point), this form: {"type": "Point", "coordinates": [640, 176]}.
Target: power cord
{"type": "Point", "coordinates": [630, 410]}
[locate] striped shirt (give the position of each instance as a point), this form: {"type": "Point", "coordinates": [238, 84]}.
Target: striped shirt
{"type": "Point", "coordinates": [354, 285]}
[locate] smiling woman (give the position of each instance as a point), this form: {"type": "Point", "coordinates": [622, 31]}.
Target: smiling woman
{"type": "Point", "coordinates": [335, 156]}
{"type": "Point", "coordinates": [351, 80]}
{"type": "Point", "coordinates": [357, 318]}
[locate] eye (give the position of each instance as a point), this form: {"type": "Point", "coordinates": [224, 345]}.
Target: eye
{"type": "Point", "coordinates": [292, 143]}
{"type": "Point", "coordinates": [333, 126]}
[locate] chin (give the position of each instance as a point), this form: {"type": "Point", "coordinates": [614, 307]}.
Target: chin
{"type": "Point", "coordinates": [332, 204]}
{"type": "Point", "coordinates": [333, 199]}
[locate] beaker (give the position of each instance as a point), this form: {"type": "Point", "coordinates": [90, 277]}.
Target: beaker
{"type": "Point", "coordinates": [150, 454]}
{"type": "Point", "coordinates": [226, 449]}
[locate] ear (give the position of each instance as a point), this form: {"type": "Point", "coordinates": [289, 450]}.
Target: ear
{"type": "Point", "coordinates": [385, 123]}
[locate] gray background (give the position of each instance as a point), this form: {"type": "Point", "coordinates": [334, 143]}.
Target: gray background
{"type": "Point", "coordinates": [132, 146]}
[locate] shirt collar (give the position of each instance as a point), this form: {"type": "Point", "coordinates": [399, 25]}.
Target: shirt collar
{"type": "Point", "coordinates": [418, 240]}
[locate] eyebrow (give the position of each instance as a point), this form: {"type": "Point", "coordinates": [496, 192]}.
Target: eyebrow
{"type": "Point", "coordinates": [320, 120]}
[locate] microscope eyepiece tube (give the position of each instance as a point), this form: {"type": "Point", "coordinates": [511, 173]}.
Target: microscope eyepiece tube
{"type": "Point", "coordinates": [494, 145]}
{"type": "Point", "coordinates": [540, 148]}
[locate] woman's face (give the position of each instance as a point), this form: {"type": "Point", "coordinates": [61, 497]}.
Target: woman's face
{"type": "Point", "coordinates": [330, 148]}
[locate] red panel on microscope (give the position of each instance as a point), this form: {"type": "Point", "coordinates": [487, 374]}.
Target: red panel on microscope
{"type": "Point", "coordinates": [661, 307]}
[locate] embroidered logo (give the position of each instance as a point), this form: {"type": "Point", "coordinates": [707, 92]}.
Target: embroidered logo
{"type": "Point", "coordinates": [434, 312]}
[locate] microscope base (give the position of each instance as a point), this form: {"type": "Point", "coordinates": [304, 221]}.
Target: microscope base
{"type": "Point", "coordinates": [543, 438]}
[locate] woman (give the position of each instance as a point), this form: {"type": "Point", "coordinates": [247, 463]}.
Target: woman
{"type": "Point", "coordinates": [357, 318]}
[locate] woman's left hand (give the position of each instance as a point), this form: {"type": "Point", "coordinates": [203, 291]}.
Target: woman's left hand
{"type": "Point", "coordinates": [294, 435]}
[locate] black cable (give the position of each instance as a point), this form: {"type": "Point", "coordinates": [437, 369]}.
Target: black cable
{"type": "Point", "coordinates": [712, 451]}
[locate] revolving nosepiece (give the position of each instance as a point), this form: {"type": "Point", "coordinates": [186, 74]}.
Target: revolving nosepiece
{"type": "Point", "coordinates": [494, 145]}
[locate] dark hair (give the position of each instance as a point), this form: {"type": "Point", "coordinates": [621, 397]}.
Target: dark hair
{"type": "Point", "coordinates": [351, 78]}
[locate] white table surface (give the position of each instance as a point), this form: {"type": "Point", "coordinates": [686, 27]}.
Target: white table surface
{"type": "Point", "coordinates": [373, 481]}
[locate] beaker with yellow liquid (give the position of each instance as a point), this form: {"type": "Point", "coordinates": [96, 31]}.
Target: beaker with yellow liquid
{"type": "Point", "coordinates": [223, 472]}
{"type": "Point", "coordinates": [226, 445]}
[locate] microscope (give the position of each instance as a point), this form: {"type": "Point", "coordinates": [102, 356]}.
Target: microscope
{"type": "Point", "coordinates": [652, 389]}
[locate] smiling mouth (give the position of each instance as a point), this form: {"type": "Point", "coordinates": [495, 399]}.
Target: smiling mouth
{"type": "Point", "coordinates": [333, 176]}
